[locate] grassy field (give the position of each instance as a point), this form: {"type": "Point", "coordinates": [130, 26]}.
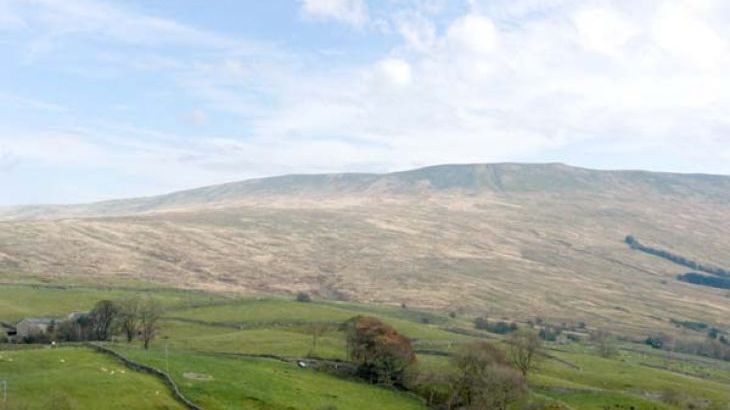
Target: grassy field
{"type": "Point", "coordinates": [211, 343]}
{"type": "Point", "coordinates": [621, 380]}
{"type": "Point", "coordinates": [223, 382]}
{"type": "Point", "coordinates": [77, 378]}
{"type": "Point", "coordinates": [22, 300]}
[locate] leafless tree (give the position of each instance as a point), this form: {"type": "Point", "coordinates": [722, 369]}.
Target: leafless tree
{"type": "Point", "coordinates": [104, 315]}
{"type": "Point", "coordinates": [605, 343]}
{"type": "Point", "coordinates": [128, 317]}
{"type": "Point", "coordinates": [524, 348]}
{"type": "Point", "coordinates": [317, 330]}
{"type": "Point", "coordinates": [150, 312]}
{"type": "Point", "coordinates": [485, 378]}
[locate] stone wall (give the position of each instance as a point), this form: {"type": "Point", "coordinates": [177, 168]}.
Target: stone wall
{"type": "Point", "coordinates": [150, 370]}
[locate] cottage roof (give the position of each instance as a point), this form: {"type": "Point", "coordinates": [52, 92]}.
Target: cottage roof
{"type": "Point", "coordinates": [38, 320]}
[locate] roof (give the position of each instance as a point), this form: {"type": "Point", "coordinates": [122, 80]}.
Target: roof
{"type": "Point", "coordinates": [38, 320]}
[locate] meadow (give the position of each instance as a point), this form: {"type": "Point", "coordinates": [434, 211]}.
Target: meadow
{"type": "Point", "coordinates": [214, 348]}
{"type": "Point", "coordinates": [77, 378]}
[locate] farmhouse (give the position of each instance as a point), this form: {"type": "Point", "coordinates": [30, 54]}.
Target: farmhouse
{"type": "Point", "coordinates": [33, 327]}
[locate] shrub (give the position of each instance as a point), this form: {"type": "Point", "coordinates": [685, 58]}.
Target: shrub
{"type": "Point", "coordinates": [656, 341]}
{"type": "Point", "coordinates": [501, 327]}
{"type": "Point", "coordinates": [550, 333]}
{"type": "Point", "coordinates": [380, 352]}
{"type": "Point", "coordinates": [484, 379]}
{"type": "Point", "coordinates": [303, 297]}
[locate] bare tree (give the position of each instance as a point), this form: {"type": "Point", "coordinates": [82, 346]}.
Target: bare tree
{"type": "Point", "coordinates": [524, 347]}
{"type": "Point", "coordinates": [605, 343]}
{"type": "Point", "coordinates": [317, 330]}
{"type": "Point", "coordinates": [128, 317]}
{"type": "Point", "coordinates": [150, 312]}
{"type": "Point", "coordinates": [104, 314]}
{"type": "Point", "coordinates": [484, 378]}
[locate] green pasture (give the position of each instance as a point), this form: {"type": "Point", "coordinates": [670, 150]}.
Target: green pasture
{"type": "Point", "coordinates": [77, 378]}
{"type": "Point", "coordinates": [225, 382]}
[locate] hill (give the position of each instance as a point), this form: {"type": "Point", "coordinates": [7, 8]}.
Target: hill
{"type": "Point", "coordinates": [516, 240]}
{"type": "Point", "coordinates": [466, 179]}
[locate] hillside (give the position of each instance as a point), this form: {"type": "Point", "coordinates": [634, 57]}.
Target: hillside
{"type": "Point", "coordinates": [466, 179]}
{"type": "Point", "coordinates": [515, 240]}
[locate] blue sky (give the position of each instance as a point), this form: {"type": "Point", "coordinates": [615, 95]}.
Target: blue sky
{"type": "Point", "coordinates": [109, 99]}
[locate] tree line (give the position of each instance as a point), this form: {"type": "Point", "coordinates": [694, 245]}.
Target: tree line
{"type": "Point", "coordinates": [679, 260]}
{"type": "Point", "coordinates": [705, 280]}
{"type": "Point", "coordinates": [132, 318]}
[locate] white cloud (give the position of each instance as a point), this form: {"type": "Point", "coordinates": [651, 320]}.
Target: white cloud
{"type": "Point", "coordinates": [418, 32]}
{"type": "Point", "coordinates": [681, 30]}
{"type": "Point", "coordinates": [473, 33]}
{"type": "Point", "coordinates": [555, 82]}
{"type": "Point", "coordinates": [395, 71]}
{"type": "Point", "coordinates": [603, 30]}
{"type": "Point", "coordinates": [353, 12]}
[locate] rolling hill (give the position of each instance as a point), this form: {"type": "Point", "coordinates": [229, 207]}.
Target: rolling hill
{"type": "Point", "coordinates": [512, 240]}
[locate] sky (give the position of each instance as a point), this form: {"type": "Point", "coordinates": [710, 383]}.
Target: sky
{"type": "Point", "coordinates": [105, 99]}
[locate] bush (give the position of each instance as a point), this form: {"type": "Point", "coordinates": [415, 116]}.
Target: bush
{"type": "Point", "coordinates": [380, 352]}
{"type": "Point", "coordinates": [484, 379]}
{"type": "Point", "coordinates": [303, 297]}
{"type": "Point", "coordinates": [550, 333]}
{"type": "Point", "coordinates": [501, 327]}
{"type": "Point", "coordinates": [656, 341]}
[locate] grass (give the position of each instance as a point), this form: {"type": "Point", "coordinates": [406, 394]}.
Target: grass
{"type": "Point", "coordinates": [624, 377]}
{"type": "Point", "coordinates": [282, 312]}
{"type": "Point", "coordinates": [222, 382]}
{"type": "Point", "coordinates": [599, 400]}
{"type": "Point", "coordinates": [204, 340]}
{"type": "Point", "coordinates": [279, 327]}
{"type": "Point", "coordinates": [20, 301]}
{"type": "Point", "coordinates": [77, 378]}
{"type": "Point", "coordinates": [283, 341]}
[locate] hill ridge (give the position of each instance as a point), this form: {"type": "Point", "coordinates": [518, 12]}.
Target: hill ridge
{"type": "Point", "coordinates": [473, 178]}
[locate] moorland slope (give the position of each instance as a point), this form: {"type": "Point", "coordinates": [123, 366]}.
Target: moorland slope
{"type": "Point", "coordinates": [515, 240]}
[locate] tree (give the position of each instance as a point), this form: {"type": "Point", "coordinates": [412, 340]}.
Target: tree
{"type": "Point", "coordinates": [381, 353]}
{"type": "Point", "coordinates": [481, 323]}
{"type": "Point", "coordinates": [128, 317]}
{"type": "Point", "coordinates": [605, 343]}
{"type": "Point", "coordinates": [303, 297]}
{"type": "Point", "coordinates": [150, 312]}
{"type": "Point", "coordinates": [525, 345]}
{"type": "Point", "coordinates": [484, 379]}
{"type": "Point", "coordinates": [317, 330]}
{"type": "Point", "coordinates": [104, 315]}
{"type": "Point", "coordinates": [79, 327]}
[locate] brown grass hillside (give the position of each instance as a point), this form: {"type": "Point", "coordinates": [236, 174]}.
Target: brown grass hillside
{"type": "Point", "coordinates": [509, 240]}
